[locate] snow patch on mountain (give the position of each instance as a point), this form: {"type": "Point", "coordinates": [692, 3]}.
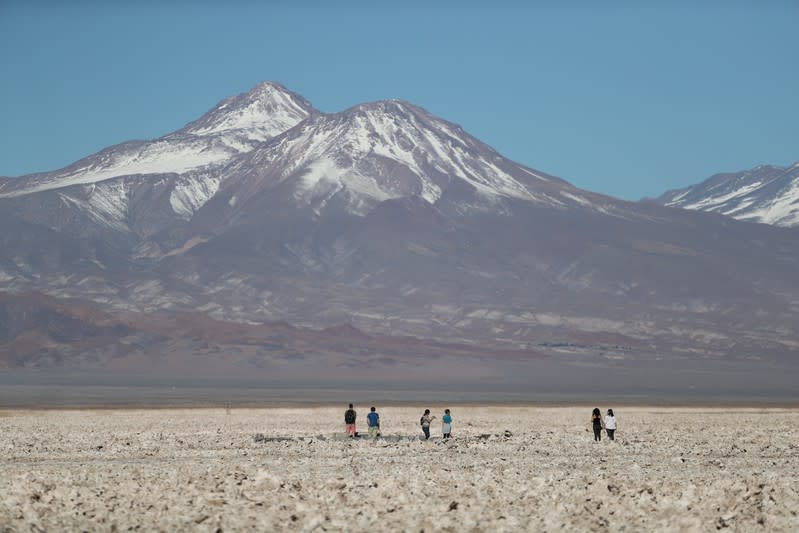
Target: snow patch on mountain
{"type": "Point", "coordinates": [781, 211]}
{"type": "Point", "coordinates": [765, 194]}
{"type": "Point", "coordinates": [533, 174]}
{"type": "Point", "coordinates": [710, 202]}
{"type": "Point", "coordinates": [742, 206]}
{"type": "Point", "coordinates": [191, 193]}
{"type": "Point", "coordinates": [158, 157]}
{"type": "Point", "coordinates": [579, 199]}
{"type": "Point", "coordinates": [430, 192]}
{"type": "Point", "coordinates": [105, 202]}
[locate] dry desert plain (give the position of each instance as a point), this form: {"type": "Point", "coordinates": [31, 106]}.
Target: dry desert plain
{"type": "Point", "coordinates": [670, 469]}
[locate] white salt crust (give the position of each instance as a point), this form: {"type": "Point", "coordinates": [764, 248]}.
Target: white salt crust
{"type": "Point", "coordinates": [201, 470]}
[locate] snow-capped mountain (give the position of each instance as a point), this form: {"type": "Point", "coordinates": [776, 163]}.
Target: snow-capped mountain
{"type": "Point", "coordinates": [767, 194]}
{"type": "Point", "coordinates": [388, 218]}
{"type": "Point", "coordinates": [235, 126]}
{"type": "Point", "coordinates": [385, 150]}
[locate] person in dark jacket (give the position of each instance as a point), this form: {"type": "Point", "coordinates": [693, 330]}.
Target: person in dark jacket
{"type": "Point", "coordinates": [596, 423]}
{"type": "Point", "coordinates": [349, 422]}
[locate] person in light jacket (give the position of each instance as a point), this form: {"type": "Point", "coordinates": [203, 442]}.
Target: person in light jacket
{"type": "Point", "coordinates": [446, 424]}
{"type": "Point", "coordinates": [610, 424]}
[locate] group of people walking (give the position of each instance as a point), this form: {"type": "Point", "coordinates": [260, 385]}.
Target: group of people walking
{"type": "Point", "coordinates": [373, 423]}
{"type": "Point", "coordinates": [598, 423]}
{"type": "Point", "coordinates": [608, 424]}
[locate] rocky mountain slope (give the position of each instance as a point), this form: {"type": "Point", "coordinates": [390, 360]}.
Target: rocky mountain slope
{"type": "Point", "coordinates": [398, 224]}
{"type": "Point", "coordinates": [766, 194]}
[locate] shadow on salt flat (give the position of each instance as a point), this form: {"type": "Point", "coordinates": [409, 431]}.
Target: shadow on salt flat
{"type": "Point", "coordinates": [260, 437]}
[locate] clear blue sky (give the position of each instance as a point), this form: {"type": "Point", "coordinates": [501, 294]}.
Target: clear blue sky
{"type": "Point", "coordinates": [625, 98]}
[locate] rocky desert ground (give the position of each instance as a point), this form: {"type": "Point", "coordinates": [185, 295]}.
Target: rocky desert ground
{"type": "Point", "coordinates": [508, 468]}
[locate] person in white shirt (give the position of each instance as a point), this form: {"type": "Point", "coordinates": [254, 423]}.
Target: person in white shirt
{"type": "Point", "coordinates": [610, 424]}
{"type": "Point", "coordinates": [425, 421]}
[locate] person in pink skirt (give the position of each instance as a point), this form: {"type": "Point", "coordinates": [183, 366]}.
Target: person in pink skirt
{"type": "Point", "coordinates": [349, 422]}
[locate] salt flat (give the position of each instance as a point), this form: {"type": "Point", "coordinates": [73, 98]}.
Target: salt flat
{"type": "Point", "coordinates": [670, 469]}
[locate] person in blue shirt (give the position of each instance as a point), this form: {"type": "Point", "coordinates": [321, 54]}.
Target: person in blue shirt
{"type": "Point", "coordinates": [446, 424]}
{"type": "Point", "coordinates": [373, 422]}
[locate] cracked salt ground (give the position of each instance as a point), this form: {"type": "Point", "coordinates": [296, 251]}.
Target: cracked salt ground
{"type": "Point", "coordinates": [201, 470]}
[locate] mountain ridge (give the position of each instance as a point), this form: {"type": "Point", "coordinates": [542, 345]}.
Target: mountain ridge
{"type": "Point", "coordinates": [210, 141]}
{"type": "Point", "coordinates": [768, 194]}
{"type": "Point", "coordinates": [402, 225]}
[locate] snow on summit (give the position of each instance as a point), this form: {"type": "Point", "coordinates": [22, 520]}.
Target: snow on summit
{"type": "Point", "coordinates": [384, 150]}
{"type": "Point", "coordinates": [235, 126]}
{"type": "Point", "coordinates": [267, 110]}
{"type": "Point", "coordinates": [766, 194]}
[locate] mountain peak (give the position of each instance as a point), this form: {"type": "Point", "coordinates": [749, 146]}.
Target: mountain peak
{"type": "Point", "coordinates": [264, 111]}
{"type": "Point", "coordinates": [387, 108]}
{"type": "Point", "coordinates": [268, 92]}
{"type": "Point", "coordinates": [234, 126]}
{"type": "Point", "coordinates": [766, 193]}
{"type": "Point", "coordinates": [388, 105]}
{"type": "Point", "coordinates": [387, 149]}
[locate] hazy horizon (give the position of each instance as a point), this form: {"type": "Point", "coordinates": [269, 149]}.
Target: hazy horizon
{"type": "Point", "coordinates": [554, 383]}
